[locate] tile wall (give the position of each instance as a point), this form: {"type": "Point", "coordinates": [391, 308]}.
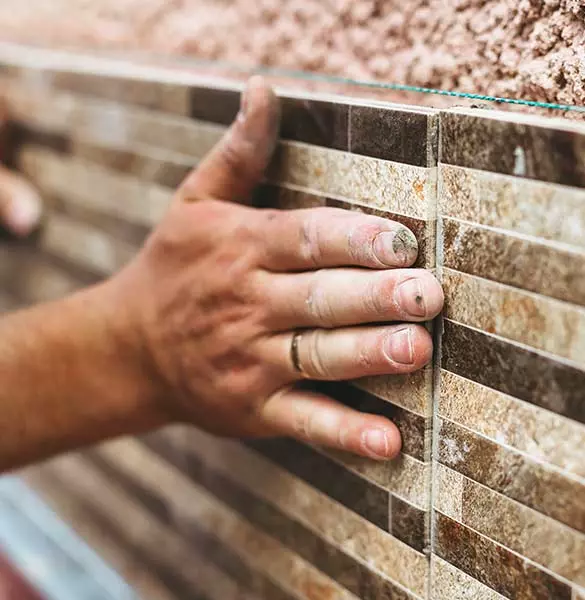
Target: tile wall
{"type": "Point", "coordinates": [487, 499]}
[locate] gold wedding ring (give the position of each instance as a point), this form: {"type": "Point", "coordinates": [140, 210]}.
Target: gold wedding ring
{"type": "Point", "coordinates": [294, 354]}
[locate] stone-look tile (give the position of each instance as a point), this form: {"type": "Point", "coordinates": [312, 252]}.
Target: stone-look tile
{"type": "Point", "coordinates": [184, 568]}
{"type": "Point", "coordinates": [348, 488]}
{"type": "Point", "coordinates": [449, 583]}
{"type": "Point", "coordinates": [273, 196]}
{"type": "Point", "coordinates": [537, 537]}
{"type": "Point", "coordinates": [213, 104]}
{"type": "Point", "coordinates": [122, 559]}
{"type": "Point", "coordinates": [391, 134]}
{"type": "Point", "coordinates": [512, 474]}
{"type": "Point", "coordinates": [193, 506]}
{"type": "Point", "coordinates": [147, 164]}
{"type": "Point", "coordinates": [166, 97]}
{"type": "Point", "coordinates": [84, 245]}
{"type": "Point", "coordinates": [498, 144]}
{"type": "Point", "coordinates": [414, 429]}
{"type": "Point", "coordinates": [448, 492]}
{"type": "Point", "coordinates": [514, 370]}
{"type": "Point", "coordinates": [425, 231]}
{"type": "Point", "coordinates": [317, 122]}
{"type": "Point", "coordinates": [532, 319]}
{"type": "Point", "coordinates": [509, 421]}
{"type": "Point", "coordinates": [543, 210]}
{"type": "Point", "coordinates": [404, 476]}
{"type": "Point", "coordinates": [392, 186]}
{"type": "Point", "coordinates": [412, 392]}
{"type": "Point", "coordinates": [493, 565]}
{"type": "Point", "coordinates": [538, 267]}
{"type": "Point", "coordinates": [303, 503]}
{"type": "Point", "coordinates": [94, 187]}
{"type": "Point", "coordinates": [408, 523]}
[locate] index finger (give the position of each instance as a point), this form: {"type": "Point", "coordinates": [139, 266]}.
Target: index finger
{"type": "Point", "coordinates": [316, 238]}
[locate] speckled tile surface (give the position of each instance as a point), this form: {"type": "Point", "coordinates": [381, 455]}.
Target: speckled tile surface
{"type": "Point", "coordinates": [487, 499]}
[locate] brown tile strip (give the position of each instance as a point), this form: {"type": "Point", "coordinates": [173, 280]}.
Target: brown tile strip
{"type": "Point", "coordinates": [391, 134]}
{"type": "Point", "coordinates": [423, 230]}
{"type": "Point", "coordinates": [317, 122]}
{"type": "Point", "coordinates": [514, 370]}
{"type": "Point", "coordinates": [512, 474]}
{"type": "Point", "coordinates": [494, 565]}
{"type": "Point", "coordinates": [519, 262]}
{"type": "Point", "coordinates": [331, 478]}
{"type": "Point", "coordinates": [221, 555]}
{"type": "Point", "coordinates": [341, 567]}
{"type": "Point", "coordinates": [18, 134]}
{"type": "Point", "coordinates": [413, 427]}
{"type": "Point", "coordinates": [268, 195]}
{"type": "Point", "coordinates": [408, 523]}
{"type": "Point", "coordinates": [533, 151]}
{"type": "Point", "coordinates": [213, 104]}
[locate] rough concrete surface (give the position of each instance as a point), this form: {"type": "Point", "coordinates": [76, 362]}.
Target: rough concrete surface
{"type": "Point", "coordinates": [532, 49]}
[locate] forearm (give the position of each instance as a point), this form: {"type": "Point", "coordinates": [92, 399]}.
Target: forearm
{"type": "Point", "coordinates": [70, 376]}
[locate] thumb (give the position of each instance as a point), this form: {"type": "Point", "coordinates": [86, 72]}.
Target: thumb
{"type": "Point", "coordinates": [237, 163]}
{"type": "Point", "coordinates": [20, 204]}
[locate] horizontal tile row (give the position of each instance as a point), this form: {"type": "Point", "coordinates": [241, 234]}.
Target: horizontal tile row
{"type": "Point", "coordinates": [346, 543]}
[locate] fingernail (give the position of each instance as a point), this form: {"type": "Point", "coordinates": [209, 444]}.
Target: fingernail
{"type": "Point", "coordinates": [396, 248]}
{"type": "Point", "coordinates": [409, 296]}
{"type": "Point", "coordinates": [399, 346]}
{"type": "Point", "coordinates": [24, 214]}
{"type": "Point", "coordinates": [375, 441]}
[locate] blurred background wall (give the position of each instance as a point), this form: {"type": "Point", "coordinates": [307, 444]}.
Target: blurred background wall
{"type": "Point", "coordinates": [533, 49]}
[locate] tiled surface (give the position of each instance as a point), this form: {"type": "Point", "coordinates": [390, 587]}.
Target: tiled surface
{"type": "Point", "coordinates": [487, 500]}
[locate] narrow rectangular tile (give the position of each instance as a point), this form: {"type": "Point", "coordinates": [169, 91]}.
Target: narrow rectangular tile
{"type": "Point", "coordinates": [514, 370]}
{"type": "Point", "coordinates": [448, 491]}
{"type": "Point", "coordinates": [425, 231]}
{"type": "Point", "coordinates": [449, 583]}
{"type": "Point", "coordinates": [273, 196]}
{"type": "Point", "coordinates": [512, 474]}
{"type": "Point", "coordinates": [363, 497]}
{"type": "Point", "coordinates": [391, 134]}
{"type": "Point", "coordinates": [493, 565]}
{"type": "Point", "coordinates": [214, 104]}
{"type": "Point", "coordinates": [352, 535]}
{"type": "Point", "coordinates": [512, 422]}
{"type": "Point", "coordinates": [413, 427]}
{"type": "Point", "coordinates": [317, 122]}
{"type": "Point", "coordinates": [194, 506]}
{"type": "Point", "coordinates": [525, 317]}
{"type": "Point", "coordinates": [542, 210]}
{"type": "Point", "coordinates": [408, 523]}
{"type": "Point", "coordinates": [516, 148]}
{"type": "Point", "coordinates": [183, 567]}
{"type": "Point", "coordinates": [511, 260]}
{"type": "Point", "coordinates": [356, 178]}
{"type": "Point", "coordinates": [537, 537]}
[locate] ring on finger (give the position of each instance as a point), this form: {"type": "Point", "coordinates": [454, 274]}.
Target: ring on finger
{"type": "Point", "coordinates": [295, 354]}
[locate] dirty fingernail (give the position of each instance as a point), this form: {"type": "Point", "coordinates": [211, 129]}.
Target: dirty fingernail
{"type": "Point", "coordinates": [399, 346]}
{"type": "Point", "coordinates": [410, 297]}
{"type": "Point", "coordinates": [396, 248]}
{"type": "Point", "coordinates": [375, 441]}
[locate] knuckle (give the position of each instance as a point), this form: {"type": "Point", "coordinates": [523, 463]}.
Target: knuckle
{"type": "Point", "coordinates": [316, 367]}
{"type": "Point", "coordinates": [318, 302]}
{"type": "Point", "coordinates": [376, 297]}
{"type": "Point", "coordinates": [310, 243]}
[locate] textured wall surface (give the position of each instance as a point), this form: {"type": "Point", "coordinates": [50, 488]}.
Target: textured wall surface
{"type": "Point", "coordinates": [487, 499]}
{"type": "Point", "coordinates": [532, 49]}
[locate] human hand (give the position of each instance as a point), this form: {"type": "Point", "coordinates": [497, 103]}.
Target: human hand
{"type": "Point", "coordinates": [219, 290]}
{"type": "Point", "coordinates": [20, 204]}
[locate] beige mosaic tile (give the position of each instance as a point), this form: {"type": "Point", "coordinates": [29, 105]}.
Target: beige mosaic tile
{"type": "Point", "coordinates": [94, 187]}
{"type": "Point", "coordinates": [448, 491]}
{"type": "Point", "coordinates": [85, 245]}
{"type": "Point", "coordinates": [543, 323]}
{"type": "Point", "coordinates": [189, 502]}
{"type": "Point", "coordinates": [136, 524]}
{"type": "Point", "coordinates": [544, 210]}
{"type": "Point", "coordinates": [405, 477]}
{"type": "Point", "coordinates": [537, 432]}
{"type": "Point", "coordinates": [396, 187]}
{"type": "Point", "coordinates": [531, 534]}
{"type": "Point", "coordinates": [412, 391]}
{"type": "Point", "coordinates": [331, 520]}
{"type": "Point", "coordinates": [449, 583]}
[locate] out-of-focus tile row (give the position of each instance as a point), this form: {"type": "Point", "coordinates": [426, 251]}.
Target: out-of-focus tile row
{"type": "Point", "coordinates": [487, 498]}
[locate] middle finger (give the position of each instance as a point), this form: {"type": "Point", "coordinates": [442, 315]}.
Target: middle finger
{"type": "Point", "coordinates": [339, 297]}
